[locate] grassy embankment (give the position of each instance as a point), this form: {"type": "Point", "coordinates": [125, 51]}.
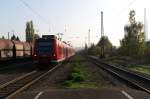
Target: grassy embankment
{"type": "Point", "coordinates": [128, 63]}
{"type": "Point", "coordinates": [142, 69]}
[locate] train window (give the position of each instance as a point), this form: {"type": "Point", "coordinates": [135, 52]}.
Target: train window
{"type": "Point", "coordinates": [44, 43]}
{"type": "Point", "coordinates": [44, 47]}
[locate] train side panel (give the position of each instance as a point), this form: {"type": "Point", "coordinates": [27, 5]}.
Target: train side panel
{"type": "Point", "coordinates": [59, 52]}
{"type": "Point", "coordinates": [6, 47]}
{"type": "Point", "coordinates": [19, 48]}
{"type": "Point", "coordinates": [27, 49]}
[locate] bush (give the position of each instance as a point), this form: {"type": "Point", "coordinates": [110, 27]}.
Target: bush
{"type": "Point", "coordinates": [76, 70]}
{"type": "Point", "coordinates": [67, 83]}
{"type": "Point", "coordinates": [75, 76]}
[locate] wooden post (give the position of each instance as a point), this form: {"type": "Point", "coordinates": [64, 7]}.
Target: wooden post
{"type": "Point", "coordinates": [0, 54]}
{"type": "Point", "coordinates": [14, 52]}
{"type": "Point", "coordinates": [31, 51]}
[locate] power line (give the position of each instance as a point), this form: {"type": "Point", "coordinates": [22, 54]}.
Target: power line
{"type": "Point", "coordinates": [130, 3]}
{"type": "Point", "coordinates": [33, 11]}
{"type": "Point", "coordinates": [123, 10]}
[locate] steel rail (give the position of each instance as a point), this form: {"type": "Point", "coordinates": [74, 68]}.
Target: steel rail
{"type": "Point", "coordinates": [134, 79]}
{"type": "Point", "coordinates": [12, 88]}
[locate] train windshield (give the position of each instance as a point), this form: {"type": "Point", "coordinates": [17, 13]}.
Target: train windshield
{"type": "Point", "coordinates": [44, 47]}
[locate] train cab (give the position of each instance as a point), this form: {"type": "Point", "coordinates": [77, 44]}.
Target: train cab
{"type": "Point", "coordinates": [44, 49]}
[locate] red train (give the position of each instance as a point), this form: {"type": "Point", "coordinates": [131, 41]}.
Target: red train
{"type": "Point", "coordinates": [49, 49]}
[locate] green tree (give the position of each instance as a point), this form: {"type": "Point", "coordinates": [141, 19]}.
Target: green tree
{"type": "Point", "coordinates": [29, 31]}
{"type": "Point", "coordinates": [36, 36]}
{"type": "Point", "coordinates": [13, 37]}
{"type": "Point", "coordinates": [86, 46]}
{"type": "Point", "coordinates": [106, 45]}
{"type": "Point", "coordinates": [133, 43]}
{"type": "Point", "coordinates": [32, 30]}
{"type": "Point", "coordinates": [92, 49]}
{"type": "Point", "coordinates": [3, 37]}
{"type": "Point", "coordinates": [17, 38]}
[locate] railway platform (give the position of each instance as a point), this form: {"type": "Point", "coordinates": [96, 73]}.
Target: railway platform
{"type": "Point", "coordinates": [85, 94]}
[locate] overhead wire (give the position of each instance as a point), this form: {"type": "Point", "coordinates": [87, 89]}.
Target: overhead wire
{"type": "Point", "coordinates": [129, 4]}
{"type": "Point", "coordinates": [123, 10]}
{"type": "Point", "coordinates": [34, 11]}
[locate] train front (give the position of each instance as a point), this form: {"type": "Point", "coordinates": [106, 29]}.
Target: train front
{"type": "Point", "coordinates": [44, 50]}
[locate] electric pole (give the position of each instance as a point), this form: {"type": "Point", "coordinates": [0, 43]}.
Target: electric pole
{"type": "Point", "coordinates": [145, 25]}
{"type": "Point", "coordinates": [89, 38]}
{"type": "Point", "coordinates": [102, 55]}
{"type": "Point", "coordinates": [8, 36]}
{"type": "Point", "coordinates": [102, 27]}
{"type": "Point", "coordinates": [65, 29]}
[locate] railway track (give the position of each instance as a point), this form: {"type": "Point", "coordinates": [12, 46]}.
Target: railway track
{"type": "Point", "coordinates": [9, 89]}
{"type": "Point", "coordinates": [136, 80]}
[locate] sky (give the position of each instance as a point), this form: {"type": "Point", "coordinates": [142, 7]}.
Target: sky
{"type": "Point", "coordinates": [73, 18]}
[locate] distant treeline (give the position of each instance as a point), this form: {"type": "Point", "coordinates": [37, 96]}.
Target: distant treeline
{"type": "Point", "coordinates": [132, 45]}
